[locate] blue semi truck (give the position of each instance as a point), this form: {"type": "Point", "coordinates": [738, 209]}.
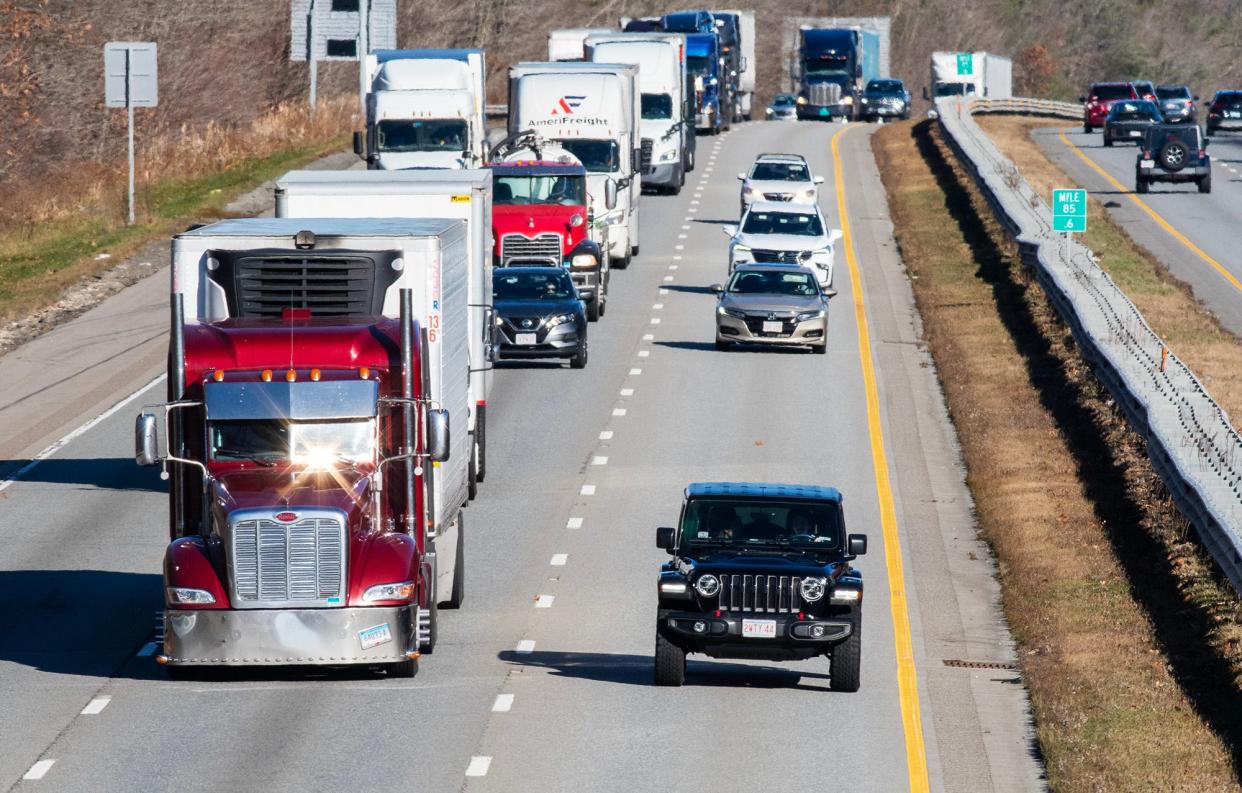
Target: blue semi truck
{"type": "Point", "coordinates": [832, 69]}
{"type": "Point", "coordinates": [713, 106]}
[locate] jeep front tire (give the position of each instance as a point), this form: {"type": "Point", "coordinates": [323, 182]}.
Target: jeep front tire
{"type": "Point", "coordinates": [670, 662]}
{"type": "Point", "coordinates": [846, 659]}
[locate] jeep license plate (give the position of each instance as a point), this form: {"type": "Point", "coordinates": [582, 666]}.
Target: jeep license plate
{"type": "Point", "coordinates": [773, 327]}
{"type": "Point", "coordinates": [526, 339]}
{"type": "Point", "coordinates": [759, 629]}
{"type": "Point", "coordinates": [1147, 164]}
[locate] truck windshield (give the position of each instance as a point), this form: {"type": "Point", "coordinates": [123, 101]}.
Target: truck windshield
{"type": "Point", "coordinates": [954, 89]}
{"type": "Point", "coordinates": [699, 65]}
{"type": "Point", "coordinates": [316, 443]}
{"type": "Point", "coordinates": [657, 106]}
{"type": "Point", "coordinates": [828, 68]}
{"type": "Point", "coordinates": [802, 223]}
{"type": "Point", "coordinates": [722, 521]}
{"type": "Point", "coordinates": [423, 135]}
{"type": "Point", "coordinates": [597, 156]}
{"type": "Point", "coordinates": [524, 190]}
{"type": "Point", "coordinates": [519, 283]}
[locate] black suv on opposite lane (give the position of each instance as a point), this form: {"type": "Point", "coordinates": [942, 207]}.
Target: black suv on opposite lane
{"type": "Point", "coordinates": [760, 571]}
{"type": "Point", "coordinates": [1173, 153]}
{"type": "Point", "coordinates": [1224, 111]}
{"type": "Point", "coordinates": [1126, 120]}
{"type": "Point", "coordinates": [539, 314]}
{"type": "Point", "coordinates": [884, 98]}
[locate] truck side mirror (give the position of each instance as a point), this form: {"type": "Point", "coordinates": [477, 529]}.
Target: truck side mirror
{"type": "Point", "coordinates": [666, 538]}
{"type": "Point", "coordinates": [438, 435]}
{"type": "Point", "coordinates": [146, 440]}
{"type": "Point", "coordinates": [856, 545]}
{"type": "Point", "coordinates": [360, 144]}
{"type": "Point", "coordinates": [610, 194]}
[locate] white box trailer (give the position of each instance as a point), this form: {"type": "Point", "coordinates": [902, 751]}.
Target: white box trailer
{"type": "Point", "coordinates": [428, 193]}
{"type": "Point", "coordinates": [746, 75]}
{"type": "Point", "coordinates": [979, 74]}
{"type": "Point", "coordinates": [593, 110]}
{"type": "Point", "coordinates": [425, 109]}
{"type": "Point", "coordinates": [666, 132]}
{"type": "Point", "coordinates": [566, 44]}
{"type": "Point", "coordinates": [257, 267]}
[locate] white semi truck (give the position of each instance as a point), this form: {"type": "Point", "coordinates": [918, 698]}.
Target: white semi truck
{"type": "Point", "coordinates": [269, 269]}
{"type": "Point", "coordinates": [667, 132]}
{"type": "Point", "coordinates": [424, 110]}
{"type": "Point", "coordinates": [432, 193]}
{"type": "Point", "coordinates": [592, 110]}
{"type": "Point", "coordinates": [979, 74]}
{"type": "Point", "coordinates": [567, 44]}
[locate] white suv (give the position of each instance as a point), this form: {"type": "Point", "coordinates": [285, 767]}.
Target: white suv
{"type": "Point", "coordinates": [773, 232]}
{"type": "Point", "coordinates": [780, 177]}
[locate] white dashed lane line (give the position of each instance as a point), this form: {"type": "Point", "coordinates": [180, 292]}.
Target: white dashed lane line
{"type": "Point", "coordinates": [544, 601]}
{"type": "Point", "coordinates": [636, 371]}
{"type": "Point", "coordinates": [599, 460]}
{"type": "Point", "coordinates": [627, 392]}
{"type": "Point", "coordinates": [39, 769]}
{"type": "Point", "coordinates": [96, 706]}
{"type": "Point", "coordinates": [589, 490]}
{"type": "Point", "coordinates": [573, 523]}
{"type": "Point", "coordinates": [478, 766]}
{"type": "Point", "coordinates": [559, 559]}
{"type": "Point", "coordinates": [605, 435]}
{"type": "Point", "coordinates": [525, 647]}
{"type": "Point", "coordinates": [503, 703]}
{"type": "Point", "coordinates": [655, 320]}
{"type": "Point", "coordinates": [618, 411]}
{"type": "Point", "coordinates": [644, 353]}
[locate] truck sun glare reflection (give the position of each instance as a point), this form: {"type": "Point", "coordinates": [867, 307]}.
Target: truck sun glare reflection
{"type": "Point", "coordinates": [312, 445]}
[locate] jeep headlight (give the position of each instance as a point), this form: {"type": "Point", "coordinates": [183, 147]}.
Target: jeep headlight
{"type": "Point", "coordinates": [809, 315]}
{"type": "Point", "coordinates": [582, 261]}
{"type": "Point", "coordinates": [812, 589]}
{"type": "Point", "coordinates": [708, 585]}
{"type": "Point", "coordinates": [559, 319]}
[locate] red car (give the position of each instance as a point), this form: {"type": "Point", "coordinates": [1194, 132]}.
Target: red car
{"type": "Point", "coordinates": [1099, 100]}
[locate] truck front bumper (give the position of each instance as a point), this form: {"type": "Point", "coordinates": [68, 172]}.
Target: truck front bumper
{"type": "Point", "coordinates": [281, 637]}
{"type": "Point", "coordinates": [661, 175]}
{"type": "Point", "coordinates": [824, 112]}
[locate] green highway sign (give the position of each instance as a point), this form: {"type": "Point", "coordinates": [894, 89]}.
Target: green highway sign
{"type": "Point", "coordinates": [965, 63]}
{"type": "Point", "coordinates": [1069, 210]}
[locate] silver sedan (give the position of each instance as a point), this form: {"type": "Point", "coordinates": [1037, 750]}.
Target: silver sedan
{"type": "Point", "coordinates": [772, 304]}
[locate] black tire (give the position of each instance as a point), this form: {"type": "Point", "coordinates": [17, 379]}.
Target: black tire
{"type": "Point", "coordinates": [633, 251]}
{"type": "Point", "coordinates": [403, 669]}
{"type": "Point", "coordinates": [621, 264]}
{"type": "Point", "coordinates": [1205, 184]}
{"type": "Point", "coordinates": [602, 299]}
{"type": "Point", "coordinates": [723, 346]}
{"type": "Point", "coordinates": [1141, 185]}
{"type": "Point", "coordinates": [592, 309]}
{"type": "Point", "coordinates": [690, 160]}
{"type": "Point", "coordinates": [1086, 128]}
{"type": "Point", "coordinates": [458, 595]}
{"type": "Point", "coordinates": [1108, 142]}
{"type": "Point", "coordinates": [472, 472]}
{"type": "Point", "coordinates": [579, 361]}
{"type": "Point", "coordinates": [480, 438]}
{"type": "Point", "coordinates": [821, 349]}
{"type": "Point", "coordinates": [1173, 156]}
{"type": "Point", "coordinates": [846, 657]}
{"type": "Point", "coordinates": [670, 663]}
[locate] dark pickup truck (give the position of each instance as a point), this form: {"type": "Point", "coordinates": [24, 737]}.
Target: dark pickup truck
{"type": "Point", "coordinates": [760, 571]}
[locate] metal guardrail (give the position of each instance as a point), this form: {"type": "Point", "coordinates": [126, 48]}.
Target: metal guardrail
{"type": "Point", "coordinates": [1190, 440]}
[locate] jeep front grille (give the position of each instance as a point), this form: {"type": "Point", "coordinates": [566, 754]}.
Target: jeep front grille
{"type": "Point", "coordinates": [768, 593]}
{"type": "Point", "coordinates": [542, 248]}
{"type": "Point", "coordinates": [279, 564]}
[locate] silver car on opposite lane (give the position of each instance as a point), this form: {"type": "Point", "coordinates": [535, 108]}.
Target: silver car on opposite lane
{"type": "Point", "coordinates": [772, 304]}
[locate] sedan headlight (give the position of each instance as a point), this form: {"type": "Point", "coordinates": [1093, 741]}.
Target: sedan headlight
{"type": "Point", "coordinates": [707, 585]}
{"type": "Point", "coordinates": [864, 100]}
{"type": "Point", "coordinates": [809, 194]}
{"type": "Point", "coordinates": [822, 252]}
{"type": "Point", "coordinates": [740, 248]}
{"type": "Point", "coordinates": [559, 319]}
{"type": "Point", "coordinates": [736, 313]}
{"type": "Point", "coordinates": [189, 597]}
{"type": "Point", "coordinates": [812, 589]}
{"type": "Point", "coordinates": [808, 315]}
{"type": "Point", "coordinates": [400, 590]}
{"type": "Point", "coordinates": [583, 261]}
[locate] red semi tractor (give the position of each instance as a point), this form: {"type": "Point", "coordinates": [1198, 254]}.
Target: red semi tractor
{"type": "Point", "coordinates": [314, 456]}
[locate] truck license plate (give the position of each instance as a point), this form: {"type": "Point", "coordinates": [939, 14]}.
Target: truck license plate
{"type": "Point", "coordinates": [375, 636]}
{"type": "Point", "coordinates": [1134, 133]}
{"type": "Point", "coordinates": [527, 338]}
{"type": "Point", "coordinates": [1147, 164]}
{"type": "Point", "coordinates": [773, 327]}
{"type": "Point", "coordinates": [759, 629]}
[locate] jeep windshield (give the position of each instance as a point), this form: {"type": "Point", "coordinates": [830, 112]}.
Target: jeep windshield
{"type": "Point", "coordinates": [597, 156]}
{"type": "Point", "coordinates": [428, 135]}
{"type": "Point", "coordinates": [525, 190]}
{"type": "Point", "coordinates": [321, 444]}
{"type": "Point", "coordinates": [761, 523]}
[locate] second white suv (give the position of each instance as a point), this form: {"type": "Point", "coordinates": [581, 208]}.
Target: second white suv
{"type": "Point", "coordinates": [773, 232]}
{"type": "Point", "coordinates": [780, 177]}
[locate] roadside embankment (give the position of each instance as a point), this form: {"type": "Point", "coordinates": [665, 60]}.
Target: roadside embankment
{"type": "Point", "coordinates": [1129, 640]}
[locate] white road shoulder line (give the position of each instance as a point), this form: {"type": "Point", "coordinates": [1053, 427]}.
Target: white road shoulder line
{"type": "Point", "coordinates": [503, 703]}
{"type": "Point", "coordinates": [96, 706]}
{"type": "Point", "coordinates": [77, 433]}
{"type": "Point", "coordinates": [478, 766]}
{"type": "Point", "coordinates": [39, 769]}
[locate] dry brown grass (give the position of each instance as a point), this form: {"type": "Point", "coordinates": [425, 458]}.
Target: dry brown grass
{"type": "Point", "coordinates": [1127, 639]}
{"type": "Point", "coordinates": [1189, 329]}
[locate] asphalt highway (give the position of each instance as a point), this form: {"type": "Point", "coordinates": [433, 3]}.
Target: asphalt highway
{"type": "Point", "coordinates": [1194, 235]}
{"type": "Point", "coordinates": [542, 680]}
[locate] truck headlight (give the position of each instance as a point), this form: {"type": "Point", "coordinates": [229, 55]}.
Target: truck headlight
{"type": "Point", "coordinates": [808, 315]}
{"type": "Point", "coordinates": [575, 220]}
{"type": "Point", "coordinates": [812, 589]}
{"type": "Point", "coordinates": [401, 590]}
{"type": "Point", "coordinates": [849, 100]}
{"type": "Point", "coordinates": [559, 319]}
{"type": "Point", "coordinates": [864, 100]}
{"type": "Point", "coordinates": [801, 100]}
{"type": "Point", "coordinates": [707, 585]}
{"type": "Point", "coordinates": [189, 597]}
{"type": "Point", "coordinates": [669, 155]}
{"type": "Point", "coordinates": [583, 261]}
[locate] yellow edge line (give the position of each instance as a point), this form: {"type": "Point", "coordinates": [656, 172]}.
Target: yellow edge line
{"type": "Point", "coordinates": [907, 678]}
{"type": "Point", "coordinates": [1161, 222]}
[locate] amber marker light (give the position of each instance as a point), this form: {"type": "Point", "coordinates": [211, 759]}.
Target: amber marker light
{"type": "Point", "coordinates": [267, 375]}
{"type": "Point", "coordinates": [291, 376]}
{"type": "Point", "coordinates": [315, 375]}
{"type": "Point", "coordinates": [364, 372]}
{"type": "Point", "coordinates": [218, 375]}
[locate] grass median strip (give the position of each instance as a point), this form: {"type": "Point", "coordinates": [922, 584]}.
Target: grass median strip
{"type": "Point", "coordinates": [1128, 640]}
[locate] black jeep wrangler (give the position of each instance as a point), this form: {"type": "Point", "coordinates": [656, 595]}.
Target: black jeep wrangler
{"type": "Point", "coordinates": [1173, 153]}
{"type": "Point", "coordinates": [760, 571]}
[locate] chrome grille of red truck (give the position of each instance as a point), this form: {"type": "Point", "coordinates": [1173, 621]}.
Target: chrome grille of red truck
{"type": "Point", "coordinates": [542, 248]}
{"type": "Point", "coordinates": [300, 563]}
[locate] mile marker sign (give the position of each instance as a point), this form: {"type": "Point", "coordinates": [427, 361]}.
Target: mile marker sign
{"type": "Point", "coordinates": [1069, 210]}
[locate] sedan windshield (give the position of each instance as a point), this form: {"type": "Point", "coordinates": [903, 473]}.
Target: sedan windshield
{"type": "Point", "coordinates": [597, 156]}
{"type": "Point", "coordinates": [429, 135]}
{"type": "Point", "coordinates": [516, 283]}
{"type": "Point", "coordinates": [801, 223]}
{"type": "Point", "coordinates": [1108, 93]}
{"type": "Point", "coordinates": [783, 100]}
{"type": "Point", "coordinates": [1173, 92]}
{"type": "Point", "coordinates": [322, 443]}
{"type": "Point", "coordinates": [722, 521]}
{"type": "Point", "coordinates": [780, 172]}
{"type": "Point", "coordinates": [657, 106]}
{"type": "Point", "coordinates": [523, 190]}
{"type": "Point", "coordinates": [773, 282]}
